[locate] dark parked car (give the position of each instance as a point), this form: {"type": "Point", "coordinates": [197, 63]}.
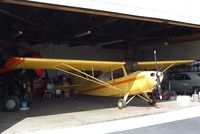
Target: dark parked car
{"type": "Point", "coordinates": [185, 82]}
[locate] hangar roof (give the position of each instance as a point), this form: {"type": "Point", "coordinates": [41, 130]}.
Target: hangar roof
{"type": "Point", "coordinates": [33, 24]}
{"type": "Point", "coordinates": [170, 11]}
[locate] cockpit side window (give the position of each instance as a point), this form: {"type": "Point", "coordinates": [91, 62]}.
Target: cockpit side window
{"type": "Point", "coordinates": [118, 73]}
{"type": "Point", "coordinates": [105, 76]}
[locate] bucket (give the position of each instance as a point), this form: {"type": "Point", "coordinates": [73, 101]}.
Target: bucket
{"type": "Point", "coordinates": [195, 97]}
{"type": "Point", "coordinates": [173, 95]}
{"type": "Point", "coordinates": [24, 104]}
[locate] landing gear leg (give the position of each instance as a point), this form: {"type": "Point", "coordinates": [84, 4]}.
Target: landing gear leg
{"type": "Point", "coordinates": [150, 98]}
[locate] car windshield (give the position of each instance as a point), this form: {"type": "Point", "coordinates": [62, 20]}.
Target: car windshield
{"type": "Point", "coordinates": [180, 77]}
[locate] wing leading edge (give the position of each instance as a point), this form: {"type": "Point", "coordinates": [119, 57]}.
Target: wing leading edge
{"type": "Point", "coordinates": [44, 63]}
{"type": "Point", "coordinates": [86, 65]}
{"type": "Point", "coordinates": [162, 65]}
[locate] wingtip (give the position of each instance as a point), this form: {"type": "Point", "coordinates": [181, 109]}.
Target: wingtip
{"type": "Point", "coordinates": [13, 61]}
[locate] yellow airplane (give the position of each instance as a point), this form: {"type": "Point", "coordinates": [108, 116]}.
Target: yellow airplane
{"type": "Point", "coordinates": [115, 79]}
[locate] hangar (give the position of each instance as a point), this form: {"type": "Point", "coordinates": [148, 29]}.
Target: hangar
{"type": "Point", "coordinates": [85, 31]}
{"type": "Point", "coordinates": [42, 25]}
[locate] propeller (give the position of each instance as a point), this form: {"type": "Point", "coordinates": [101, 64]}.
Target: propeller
{"type": "Point", "coordinates": [158, 76]}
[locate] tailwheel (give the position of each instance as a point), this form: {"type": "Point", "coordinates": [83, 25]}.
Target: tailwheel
{"type": "Point", "coordinates": [152, 99]}
{"type": "Point", "coordinates": [121, 103]}
{"type": "Point", "coordinates": [73, 94]}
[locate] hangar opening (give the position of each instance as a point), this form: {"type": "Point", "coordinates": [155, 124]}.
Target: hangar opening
{"type": "Point", "coordinates": [49, 31]}
{"type": "Point", "coordinates": [46, 32]}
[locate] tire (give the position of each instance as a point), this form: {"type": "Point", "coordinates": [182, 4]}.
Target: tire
{"type": "Point", "coordinates": [152, 100]}
{"type": "Point", "coordinates": [121, 104]}
{"type": "Point", "coordinates": [12, 103]}
{"type": "Point", "coordinates": [196, 89]}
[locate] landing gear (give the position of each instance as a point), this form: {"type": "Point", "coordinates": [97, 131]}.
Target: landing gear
{"type": "Point", "coordinates": [121, 103]}
{"type": "Point", "coordinates": [149, 97]}
{"type": "Point", "coordinates": [152, 99]}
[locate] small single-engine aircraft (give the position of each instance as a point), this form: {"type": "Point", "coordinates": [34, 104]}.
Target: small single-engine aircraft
{"type": "Point", "coordinates": [115, 79]}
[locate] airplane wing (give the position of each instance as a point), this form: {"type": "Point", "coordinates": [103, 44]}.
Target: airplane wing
{"type": "Point", "coordinates": [86, 65]}
{"type": "Point", "coordinates": [162, 65]}
{"type": "Point", "coordinates": [44, 63]}
{"type": "Point", "coordinates": [78, 66]}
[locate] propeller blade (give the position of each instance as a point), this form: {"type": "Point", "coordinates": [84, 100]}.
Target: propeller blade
{"type": "Point", "coordinates": [155, 59]}
{"type": "Point", "coordinates": [158, 76]}
{"type": "Point", "coordinates": [159, 86]}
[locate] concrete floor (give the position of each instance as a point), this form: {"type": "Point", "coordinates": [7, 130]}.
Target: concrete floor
{"type": "Point", "coordinates": [58, 113]}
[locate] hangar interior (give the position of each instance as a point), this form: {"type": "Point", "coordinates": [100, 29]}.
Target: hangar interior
{"type": "Point", "coordinates": [75, 35]}
{"type": "Point", "coordinates": [28, 30]}
{"type": "Point", "coordinates": [44, 29]}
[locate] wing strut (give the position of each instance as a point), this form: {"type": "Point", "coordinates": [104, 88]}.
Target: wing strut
{"type": "Point", "coordinates": [92, 78]}
{"type": "Point", "coordinates": [168, 67]}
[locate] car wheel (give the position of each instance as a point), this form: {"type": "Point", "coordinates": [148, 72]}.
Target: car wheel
{"type": "Point", "coordinates": [196, 89]}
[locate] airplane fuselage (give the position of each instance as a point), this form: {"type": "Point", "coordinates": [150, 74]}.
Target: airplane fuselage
{"type": "Point", "coordinates": [135, 83]}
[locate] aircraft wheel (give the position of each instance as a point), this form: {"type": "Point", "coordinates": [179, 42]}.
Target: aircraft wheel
{"type": "Point", "coordinates": [152, 100]}
{"type": "Point", "coordinates": [12, 103]}
{"type": "Point", "coordinates": [121, 103]}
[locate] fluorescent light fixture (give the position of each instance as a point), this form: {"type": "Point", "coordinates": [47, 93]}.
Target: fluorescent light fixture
{"type": "Point", "coordinates": [165, 44]}
{"type": "Point", "coordinates": [110, 42]}
{"type": "Point", "coordinates": [17, 34]}
{"type": "Point", "coordinates": [83, 34]}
